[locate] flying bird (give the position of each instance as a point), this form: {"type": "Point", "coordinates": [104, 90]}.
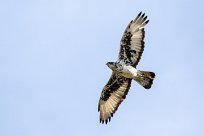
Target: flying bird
{"type": "Point", "coordinates": [124, 69]}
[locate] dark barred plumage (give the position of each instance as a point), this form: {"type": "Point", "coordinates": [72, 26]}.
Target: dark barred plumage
{"type": "Point", "coordinates": [124, 70]}
{"type": "Point", "coordinates": [132, 47]}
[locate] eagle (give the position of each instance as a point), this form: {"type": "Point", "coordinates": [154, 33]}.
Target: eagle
{"type": "Point", "coordinates": [124, 69]}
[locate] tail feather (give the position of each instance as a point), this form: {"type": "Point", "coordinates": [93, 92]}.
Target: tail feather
{"type": "Point", "coordinates": [145, 78]}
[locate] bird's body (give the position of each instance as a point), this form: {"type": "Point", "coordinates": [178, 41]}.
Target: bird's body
{"type": "Point", "coordinates": [124, 69]}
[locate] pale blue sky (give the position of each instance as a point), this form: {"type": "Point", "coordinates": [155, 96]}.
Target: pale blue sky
{"type": "Point", "coordinates": [52, 67]}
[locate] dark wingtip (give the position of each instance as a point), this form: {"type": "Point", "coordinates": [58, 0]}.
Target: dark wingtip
{"type": "Point", "coordinates": [146, 21]}
{"type": "Point", "coordinates": [139, 13]}
{"type": "Point", "coordinates": [109, 119]}
{"type": "Point", "coordinates": [145, 17]}
{"type": "Point", "coordinates": [101, 121]}
{"type": "Point", "coordinates": [106, 121]}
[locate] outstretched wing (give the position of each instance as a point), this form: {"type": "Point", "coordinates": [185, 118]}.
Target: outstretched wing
{"type": "Point", "coordinates": [112, 95]}
{"type": "Point", "coordinates": [132, 42]}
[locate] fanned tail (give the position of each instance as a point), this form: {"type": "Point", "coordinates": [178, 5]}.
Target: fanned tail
{"type": "Point", "coordinates": [145, 78]}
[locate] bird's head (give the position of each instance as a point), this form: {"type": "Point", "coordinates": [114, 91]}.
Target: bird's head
{"type": "Point", "coordinates": [111, 65]}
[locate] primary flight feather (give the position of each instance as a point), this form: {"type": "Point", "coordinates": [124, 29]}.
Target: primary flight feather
{"type": "Point", "coordinates": [124, 69]}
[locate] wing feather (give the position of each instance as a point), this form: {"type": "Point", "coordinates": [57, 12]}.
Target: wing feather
{"type": "Point", "coordinates": [112, 95]}
{"type": "Point", "coordinates": [132, 42]}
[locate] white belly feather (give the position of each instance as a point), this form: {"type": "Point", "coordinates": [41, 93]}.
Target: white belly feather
{"type": "Point", "coordinates": [128, 72]}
